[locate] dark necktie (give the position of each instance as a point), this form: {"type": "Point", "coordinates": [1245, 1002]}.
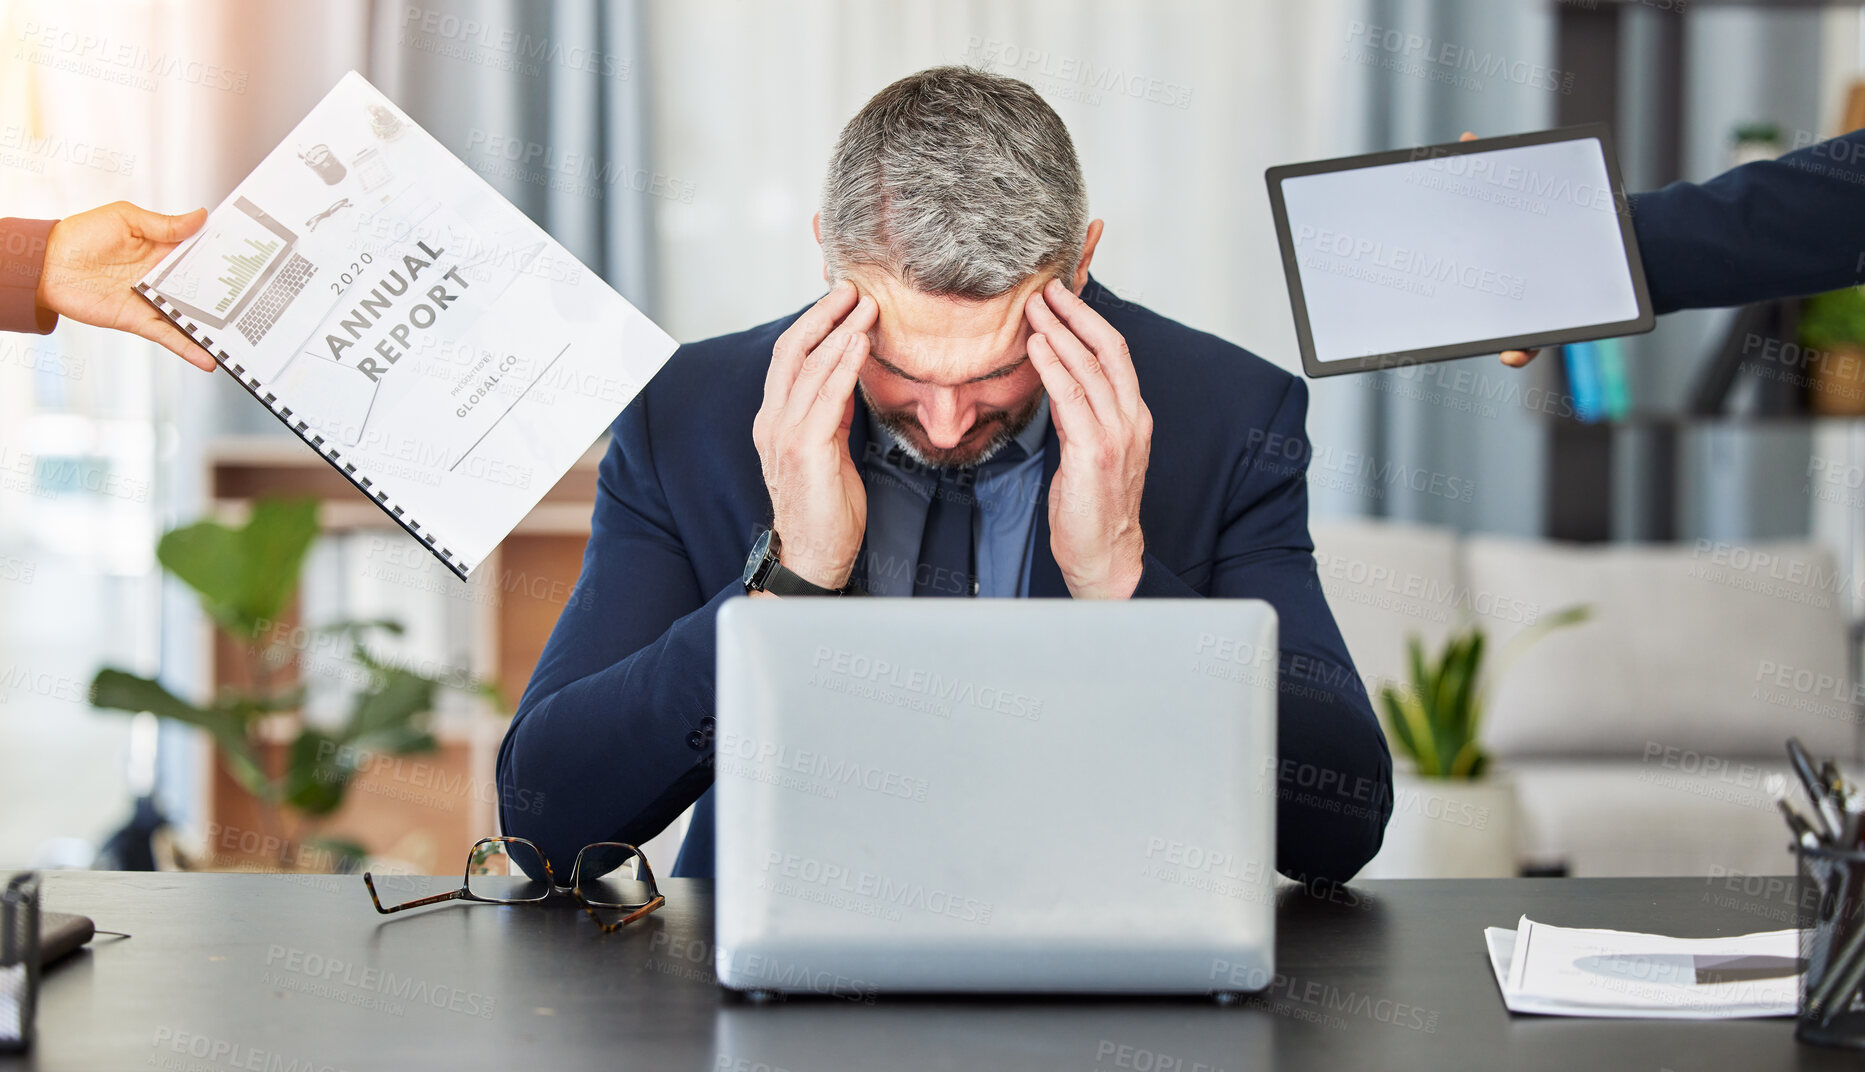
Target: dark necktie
{"type": "Point", "coordinates": [948, 551]}
{"type": "Point", "coordinates": [948, 564]}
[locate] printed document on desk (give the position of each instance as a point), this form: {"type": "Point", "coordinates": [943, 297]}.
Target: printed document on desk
{"type": "Point", "coordinates": [1564, 971]}
{"type": "Point", "coordinates": [441, 351]}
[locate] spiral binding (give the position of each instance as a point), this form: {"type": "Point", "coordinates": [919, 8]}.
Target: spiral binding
{"type": "Point", "coordinates": [303, 431]}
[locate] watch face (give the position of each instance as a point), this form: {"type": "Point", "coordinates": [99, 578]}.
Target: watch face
{"type": "Point", "coordinates": [755, 562]}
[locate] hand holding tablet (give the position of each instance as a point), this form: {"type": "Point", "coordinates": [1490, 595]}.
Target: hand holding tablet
{"type": "Point", "coordinates": [1511, 358]}
{"type": "Point", "coordinates": [1448, 251]}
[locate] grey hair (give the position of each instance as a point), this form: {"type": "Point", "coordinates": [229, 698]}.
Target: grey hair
{"type": "Point", "coordinates": [958, 182]}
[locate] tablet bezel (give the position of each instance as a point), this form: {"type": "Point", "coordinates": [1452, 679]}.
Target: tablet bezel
{"type": "Point", "coordinates": [1291, 268]}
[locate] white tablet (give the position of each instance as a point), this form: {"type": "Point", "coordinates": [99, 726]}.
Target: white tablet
{"type": "Point", "coordinates": [1457, 250]}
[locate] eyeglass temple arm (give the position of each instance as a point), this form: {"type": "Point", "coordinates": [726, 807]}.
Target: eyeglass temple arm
{"type": "Point", "coordinates": [370, 881]}
{"type": "Point", "coordinates": [609, 928]}
{"type": "Point", "coordinates": [644, 909]}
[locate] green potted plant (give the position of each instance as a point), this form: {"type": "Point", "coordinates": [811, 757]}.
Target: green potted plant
{"type": "Point", "coordinates": [245, 578]}
{"type": "Point", "coordinates": [1832, 325]}
{"type": "Point", "coordinates": [1453, 816]}
{"type": "Point", "coordinates": [1754, 141]}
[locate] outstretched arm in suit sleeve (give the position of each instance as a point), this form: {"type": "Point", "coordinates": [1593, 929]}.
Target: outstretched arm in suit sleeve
{"type": "Point", "coordinates": [1770, 229]}
{"type": "Point", "coordinates": [612, 740]}
{"type": "Point", "coordinates": [1334, 772]}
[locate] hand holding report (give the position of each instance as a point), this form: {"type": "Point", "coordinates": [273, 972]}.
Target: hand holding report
{"type": "Point", "coordinates": [93, 259]}
{"type": "Point", "coordinates": [435, 346]}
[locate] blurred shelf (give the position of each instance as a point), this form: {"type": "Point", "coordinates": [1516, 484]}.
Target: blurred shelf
{"type": "Point", "coordinates": [243, 468]}
{"type": "Point", "coordinates": [424, 808]}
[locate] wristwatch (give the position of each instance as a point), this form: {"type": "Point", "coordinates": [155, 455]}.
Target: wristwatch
{"type": "Point", "coordinates": [763, 573]}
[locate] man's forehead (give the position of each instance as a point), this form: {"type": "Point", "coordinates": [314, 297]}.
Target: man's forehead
{"type": "Point", "coordinates": [941, 339]}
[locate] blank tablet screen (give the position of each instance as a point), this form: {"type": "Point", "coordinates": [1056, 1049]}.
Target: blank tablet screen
{"type": "Point", "coordinates": [1438, 256]}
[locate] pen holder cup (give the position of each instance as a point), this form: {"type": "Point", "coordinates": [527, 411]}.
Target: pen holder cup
{"type": "Point", "coordinates": [19, 960]}
{"type": "Point", "coordinates": [1830, 902]}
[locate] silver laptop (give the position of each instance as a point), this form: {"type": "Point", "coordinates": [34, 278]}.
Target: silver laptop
{"type": "Point", "coordinates": [995, 795]}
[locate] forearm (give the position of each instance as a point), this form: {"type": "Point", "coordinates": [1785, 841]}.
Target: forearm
{"type": "Point", "coordinates": [620, 753]}
{"type": "Point", "coordinates": [23, 244]}
{"type": "Point", "coordinates": [1770, 229]}
{"type": "Point", "coordinates": [1334, 772]}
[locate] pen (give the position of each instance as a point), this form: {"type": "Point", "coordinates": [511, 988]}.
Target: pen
{"type": "Point", "coordinates": [1823, 805]}
{"type": "Point", "coordinates": [1831, 779]}
{"type": "Point", "coordinates": [1852, 830]}
{"type": "Point", "coordinates": [1684, 969]}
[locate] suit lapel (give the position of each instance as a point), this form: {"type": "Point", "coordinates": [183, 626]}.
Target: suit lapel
{"type": "Point", "coordinates": [1045, 576]}
{"type": "Point", "coordinates": [858, 450]}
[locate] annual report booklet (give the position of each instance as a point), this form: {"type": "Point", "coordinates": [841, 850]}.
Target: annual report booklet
{"type": "Point", "coordinates": [439, 350]}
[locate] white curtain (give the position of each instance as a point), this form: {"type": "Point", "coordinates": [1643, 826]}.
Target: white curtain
{"type": "Point", "coordinates": [1176, 109]}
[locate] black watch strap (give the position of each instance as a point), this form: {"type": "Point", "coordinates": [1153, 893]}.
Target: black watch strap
{"type": "Point", "coordinates": [764, 573]}
{"type": "Point", "coordinates": [783, 582]}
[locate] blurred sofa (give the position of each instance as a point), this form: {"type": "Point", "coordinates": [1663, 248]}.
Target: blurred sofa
{"type": "Point", "coordinates": [1649, 739]}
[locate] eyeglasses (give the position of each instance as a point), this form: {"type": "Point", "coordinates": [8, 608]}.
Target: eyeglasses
{"type": "Point", "coordinates": [503, 870]}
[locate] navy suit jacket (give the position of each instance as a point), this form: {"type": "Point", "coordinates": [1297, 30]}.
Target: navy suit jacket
{"type": "Point", "coordinates": [1771, 229]}
{"type": "Point", "coordinates": [613, 739]}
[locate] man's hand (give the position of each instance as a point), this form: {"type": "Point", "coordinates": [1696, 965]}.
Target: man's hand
{"type": "Point", "coordinates": [1106, 434]}
{"type": "Point", "coordinates": [1511, 358]}
{"type": "Point", "coordinates": [801, 431]}
{"type": "Point", "coordinates": [94, 258]}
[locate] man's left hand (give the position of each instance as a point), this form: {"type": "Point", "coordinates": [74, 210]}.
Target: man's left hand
{"type": "Point", "coordinates": [1106, 434]}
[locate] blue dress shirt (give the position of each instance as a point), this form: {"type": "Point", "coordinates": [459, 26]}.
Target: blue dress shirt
{"type": "Point", "coordinates": [900, 493]}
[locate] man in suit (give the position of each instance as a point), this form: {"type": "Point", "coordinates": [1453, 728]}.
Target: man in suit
{"type": "Point", "coordinates": [966, 413]}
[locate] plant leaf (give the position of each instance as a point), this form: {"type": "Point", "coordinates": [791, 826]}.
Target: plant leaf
{"type": "Point", "coordinates": [1470, 700]}
{"type": "Point", "coordinates": [115, 689]}
{"type": "Point", "coordinates": [200, 554]}
{"type": "Point", "coordinates": [1527, 638]}
{"type": "Point", "coordinates": [318, 773]}
{"type": "Point", "coordinates": [356, 630]}
{"type": "Point", "coordinates": [118, 690]}
{"type": "Point", "coordinates": [399, 741]}
{"type": "Point", "coordinates": [1440, 707]}
{"type": "Point", "coordinates": [1424, 676]}
{"type": "Point", "coordinates": [395, 701]}
{"type": "Point", "coordinates": [347, 854]}
{"type": "Point", "coordinates": [1395, 718]}
{"type": "Point", "coordinates": [1469, 762]}
{"type": "Point", "coordinates": [245, 576]}
{"type": "Point", "coordinates": [1410, 719]}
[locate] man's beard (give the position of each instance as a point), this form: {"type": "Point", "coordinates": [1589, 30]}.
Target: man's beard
{"type": "Point", "coordinates": [1003, 426]}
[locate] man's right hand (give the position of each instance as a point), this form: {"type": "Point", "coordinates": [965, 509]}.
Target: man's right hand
{"type": "Point", "coordinates": [801, 431]}
{"type": "Point", "coordinates": [92, 263]}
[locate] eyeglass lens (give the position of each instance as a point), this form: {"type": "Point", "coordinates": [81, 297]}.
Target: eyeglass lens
{"type": "Point", "coordinates": [610, 876]}
{"type": "Point", "coordinates": [504, 870]}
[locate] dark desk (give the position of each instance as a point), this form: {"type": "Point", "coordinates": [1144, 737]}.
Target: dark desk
{"type": "Point", "coordinates": [298, 974]}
